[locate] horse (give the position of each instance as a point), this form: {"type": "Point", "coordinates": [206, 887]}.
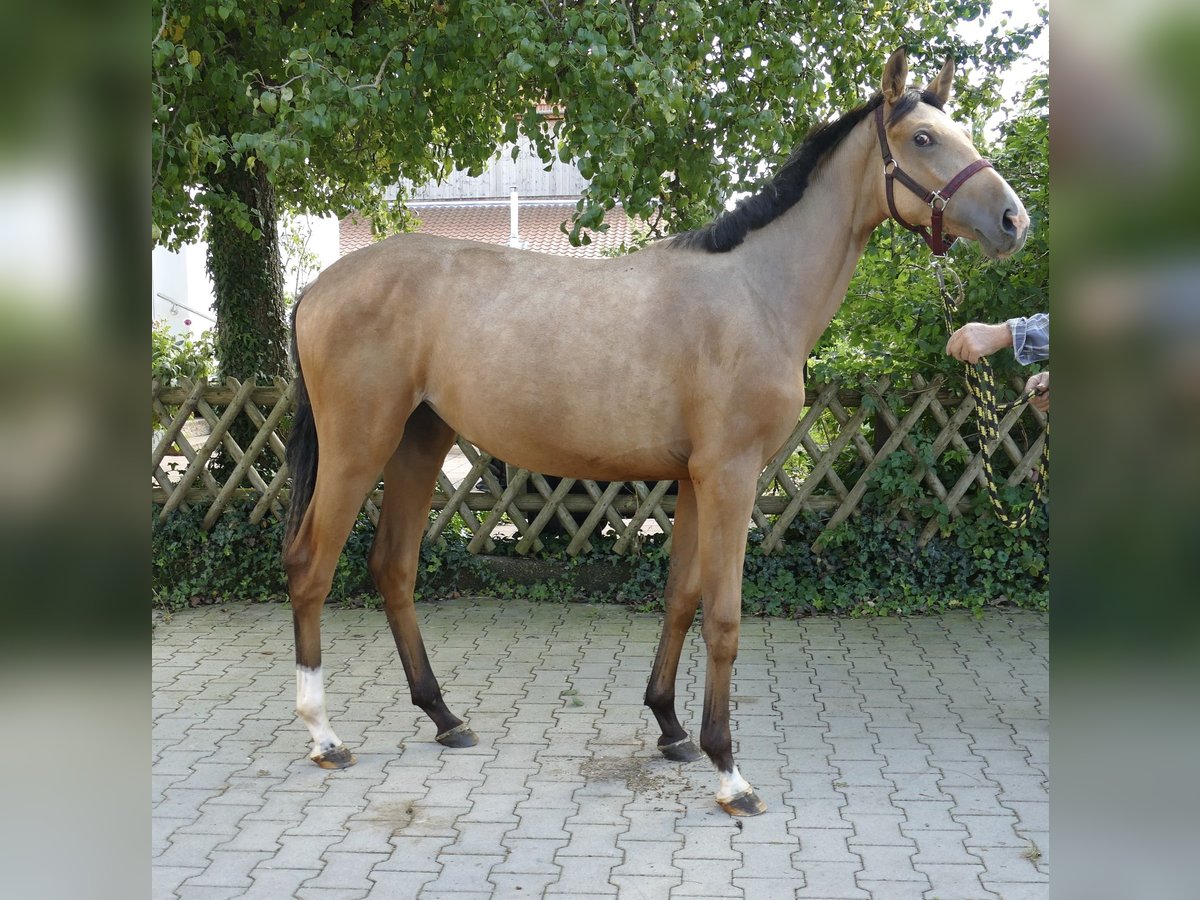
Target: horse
{"type": "Point", "coordinates": [682, 361]}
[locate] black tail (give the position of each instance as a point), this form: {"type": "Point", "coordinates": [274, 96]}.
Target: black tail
{"type": "Point", "coordinates": [302, 451]}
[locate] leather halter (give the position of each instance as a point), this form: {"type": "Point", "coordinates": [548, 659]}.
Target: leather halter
{"type": "Point", "coordinates": [938, 241]}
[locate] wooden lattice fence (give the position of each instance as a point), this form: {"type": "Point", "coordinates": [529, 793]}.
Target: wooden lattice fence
{"type": "Point", "coordinates": [923, 433]}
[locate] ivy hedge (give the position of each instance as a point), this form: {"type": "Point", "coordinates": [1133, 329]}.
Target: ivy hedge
{"type": "Point", "coordinates": [869, 567]}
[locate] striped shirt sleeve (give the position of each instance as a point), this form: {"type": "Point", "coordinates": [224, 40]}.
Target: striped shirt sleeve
{"type": "Point", "coordinates": [1031, 338]}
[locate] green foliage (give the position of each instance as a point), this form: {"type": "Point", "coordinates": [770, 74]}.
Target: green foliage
{"type": "Point", "coordinates": [870, 566]}
{"type": "Point", "coordinates": [174, 355]}
{"type": "Point", "coordinates": [668, 107]}
{"type": "Point", "coordinates": [238, 560]}
{"type": "Point", "coordinates": [302, 262]}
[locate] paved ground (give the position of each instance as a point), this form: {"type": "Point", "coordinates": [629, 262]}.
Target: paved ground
{"type": "Point", "coordinates": [899, 759]}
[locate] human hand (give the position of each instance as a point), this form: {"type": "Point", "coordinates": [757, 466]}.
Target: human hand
{"type": "Point", "coordinates": [1040, 383]}
{"type": "Point", "coordinates": [975, 340]}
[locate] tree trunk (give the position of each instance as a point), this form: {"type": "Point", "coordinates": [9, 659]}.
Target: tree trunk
{"type": "Point", "coordinates": [247, 274]}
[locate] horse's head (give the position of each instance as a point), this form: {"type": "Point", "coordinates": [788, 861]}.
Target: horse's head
{"type": "Point", "coordinates": [944, 187]}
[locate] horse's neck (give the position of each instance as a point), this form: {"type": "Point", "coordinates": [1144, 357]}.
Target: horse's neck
{"type": "Point", "coordinates": [803, 261]}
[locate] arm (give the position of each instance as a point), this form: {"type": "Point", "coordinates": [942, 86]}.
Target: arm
{"type": "Point", "coordinates": [1030, 337]}
{"type": "Point", "coordinates": [975, 340]}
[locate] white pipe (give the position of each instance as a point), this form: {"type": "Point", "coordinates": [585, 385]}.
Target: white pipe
{"type": "Point", "coordinates": [514, 236]}
{"type": "Point", "coordinates": [176, 303]}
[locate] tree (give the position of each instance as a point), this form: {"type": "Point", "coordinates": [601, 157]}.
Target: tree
{"type": "Point", "coordinates": [261, 108]}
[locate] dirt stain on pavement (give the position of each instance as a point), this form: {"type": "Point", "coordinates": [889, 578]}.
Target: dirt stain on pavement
{"type": "Point", "coordinates": [638, 774]}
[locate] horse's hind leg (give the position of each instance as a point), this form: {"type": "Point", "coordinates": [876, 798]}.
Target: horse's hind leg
{"type": "Point", "coordinates": [310, 560]}
{"type": "Point", "coordinates": [682, 596]}
{"type": "Point", "coordinates": [408, 481]}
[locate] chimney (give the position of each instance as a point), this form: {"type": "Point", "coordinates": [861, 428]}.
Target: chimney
{"type": "Point", "coordinates": [514, 236]}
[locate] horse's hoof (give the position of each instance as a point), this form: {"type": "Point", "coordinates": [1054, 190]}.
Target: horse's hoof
{"type": "Point", "coordinates": [339, 757]}
{"type": "Point", "coordinates": [681, 751]}
{"type": "Point", "coordinates": [743, 804]}
{"type": "Point", "coordinates": [458, 736]}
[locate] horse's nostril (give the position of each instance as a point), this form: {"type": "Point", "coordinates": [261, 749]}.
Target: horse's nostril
{"type": "Point", "coordinates": [1008, 222]}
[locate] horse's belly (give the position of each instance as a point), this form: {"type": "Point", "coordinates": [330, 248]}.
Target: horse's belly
{"type": "Point", "coordinates": [580, 444]}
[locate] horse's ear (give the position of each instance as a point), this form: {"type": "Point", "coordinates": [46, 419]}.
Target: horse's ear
{"type": "Point", "coordinates": [895, 76]}
{"type": "Point", "coordinates": [940, 86]}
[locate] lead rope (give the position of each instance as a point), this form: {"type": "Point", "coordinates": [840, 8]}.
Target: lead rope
{"type": "Point", "coordinates": [981, 384]}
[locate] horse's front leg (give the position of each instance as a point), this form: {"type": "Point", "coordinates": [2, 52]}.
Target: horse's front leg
{"type": "Point", "coordinates": [682, 596]}
{"type": "Point", "coordinates": [724, 503]}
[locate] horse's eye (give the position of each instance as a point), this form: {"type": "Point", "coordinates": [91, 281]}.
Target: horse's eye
{"type": "Point", "coordinates": [922, 139]}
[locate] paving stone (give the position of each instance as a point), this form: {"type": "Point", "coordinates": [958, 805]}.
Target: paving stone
{"type": "Point", "coordinates": [393, 885]}
{"type": "Point", "coordinates": [1009, 864]}
{"type": "Point", "coordinates": [830, 880]}
{"type": "Point", "coordinates": [941, 848]}
{"type": "Point", "coordinates": [643, 887]}
{"type": "Point", "coordinates": [592, 841]}
{"type": "Point", "coordinates": [477, 838]}
{"type": "Point", "coordinates": [928, 815]}
{"type": "Point", "coordinates": [897, 890]}
{"type": "Point", "coordinates": [229, 868]}
{"type": "Point", "coordinates": [463, 873]}
{"type": "Point", "coordinates": [824, 845]}
{"type": "Point", "coordinates": [585, 874]}
{"type": "Point", "coordinates": [524, 885]}
{"type": "Point", "coordinates": [887, 863]}
{"type": "Point", "coordinates": [165, 881]}
{"type": "Point", "coordinates": [309, 893]}
{"type": "Point", "coordinates": [303, 851]}
{"type": "Point", "coordinates": [960, 881]}
{"type": "Point", "coordinates": [990, 831]}
{"type": "Point", "coordinates": [1032, 816]}
{"type": "Point", "coordinates": [272, 883]}
{"type": "Point", "coordinates": [1015, 891]}
{"type": "Point", "coordinates": [770, 888]}
{"type": "Point", "coordinates": [346, 870]}
{"type": "Point", "coordinates": [899, 758]}
{"type": "Point", "coordinates": [880, 831]}
{"type": "Point", "coordinates": [208, 892]}
{"type": "Point", "coordinates": [707, 843]}
{"type": "Point", "coordinates": [263, 835]}
{"type": "Point", "coordinates": [707, 878]}
{"type": "Point", "coordinates": [185, 850]}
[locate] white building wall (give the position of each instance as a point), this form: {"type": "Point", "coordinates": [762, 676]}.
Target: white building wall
{"type": "Point", "coordinates": [182, 292]}
{"type": "Point", "coordinates": [528, 173]}
{"type": "Point", "coordinates": [175, 296]}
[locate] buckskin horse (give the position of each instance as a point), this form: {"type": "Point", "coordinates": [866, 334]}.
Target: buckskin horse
{"type": "Point", "coordinates": [681, 361]}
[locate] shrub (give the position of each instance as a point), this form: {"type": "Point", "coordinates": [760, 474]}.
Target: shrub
{"type": "Point", "coordinates": [869, 566]}
{"type": "Point", "coordinates": [174, 356]}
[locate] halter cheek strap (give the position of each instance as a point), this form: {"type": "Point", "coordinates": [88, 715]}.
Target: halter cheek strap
{"type": "Point", "coordinates": [939, 242]}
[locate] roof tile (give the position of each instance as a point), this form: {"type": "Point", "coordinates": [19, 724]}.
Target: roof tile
{"type": "Point", "coordinates": [538, 225]}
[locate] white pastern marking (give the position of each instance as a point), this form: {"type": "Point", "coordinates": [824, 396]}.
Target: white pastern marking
{"type": "Point", "coordinates": [731, 784]}
{"type": "Point", "coordinates": [310, 705]}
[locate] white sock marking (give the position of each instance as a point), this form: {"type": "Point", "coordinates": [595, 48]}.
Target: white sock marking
{"type": "Point", "coordinates": [310, 705]}
{"type": "Point", "coordinates": [731, 784]}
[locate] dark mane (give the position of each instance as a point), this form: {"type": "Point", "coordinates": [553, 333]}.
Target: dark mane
{"type": "Point", "coordinates": [787, 186]}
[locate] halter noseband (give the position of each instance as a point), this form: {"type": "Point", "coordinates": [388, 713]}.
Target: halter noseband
{"type": "Point", "coordinates": [938, 242]}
